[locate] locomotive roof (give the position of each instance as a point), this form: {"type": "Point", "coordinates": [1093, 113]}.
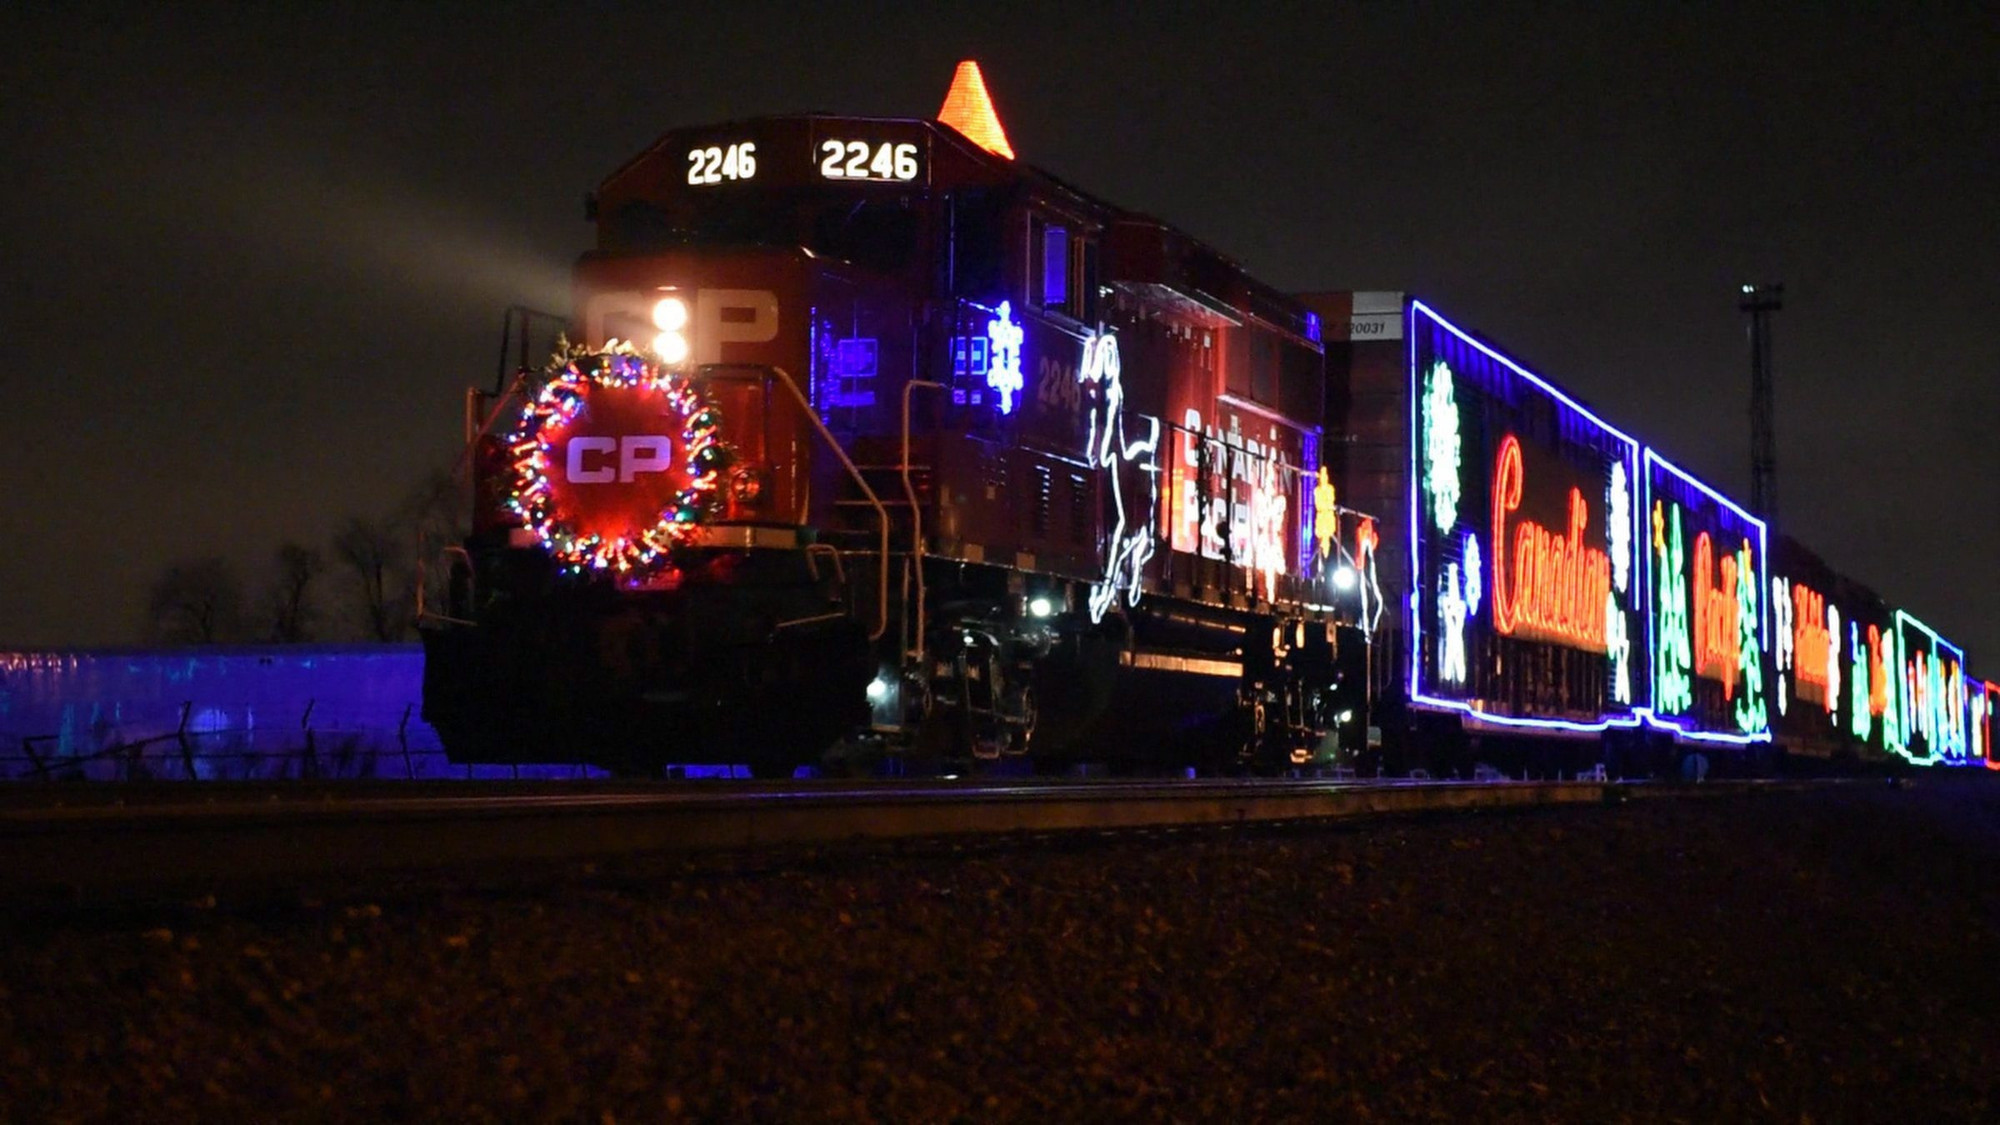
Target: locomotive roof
{"type": "Point", "coordinates": [1167, 256]}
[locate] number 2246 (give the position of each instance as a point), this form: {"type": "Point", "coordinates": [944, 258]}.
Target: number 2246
{"type": "Point", "coordinates": [858, 160]}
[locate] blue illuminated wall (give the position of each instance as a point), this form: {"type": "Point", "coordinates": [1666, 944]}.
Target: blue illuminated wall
{"type": "Point", "coordinates": [248, 713]}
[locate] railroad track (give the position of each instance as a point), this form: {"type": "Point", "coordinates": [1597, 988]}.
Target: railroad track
{"type": "Point", "coordinates": [54, 838]}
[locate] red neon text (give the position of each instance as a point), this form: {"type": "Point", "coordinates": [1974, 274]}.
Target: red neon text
{"type": "Point", "coordinates": [1559, 586]}
{"type": "Point", "coordinates": [1810, 641]}
{"type": "Point", "coordinates": [1878, 674]}
{"type": "Point", "coordinates": [1718, 642]}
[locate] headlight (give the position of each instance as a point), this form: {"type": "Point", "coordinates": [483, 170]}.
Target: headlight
{"type": "Point", "coordinates": [671, 346]}
{"type": "Point", "coordinates": [671, 314]}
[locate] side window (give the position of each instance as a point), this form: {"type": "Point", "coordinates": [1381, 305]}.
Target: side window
{"type": "Point", "coordinates": [1055, 268]}
{"type": "Point", "coordinates": [1252, 366]}
{"type": "Point", "coordinates": [1062, 270]}
{"type": "Point", "coordinates": [978, 261]}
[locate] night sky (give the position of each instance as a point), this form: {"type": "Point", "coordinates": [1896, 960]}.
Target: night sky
{"type": "Point", "coordinates": [253, 257]}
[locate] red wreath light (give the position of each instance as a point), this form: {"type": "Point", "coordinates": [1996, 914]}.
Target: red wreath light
{"type": "Point", "coordinates": [595, 481]}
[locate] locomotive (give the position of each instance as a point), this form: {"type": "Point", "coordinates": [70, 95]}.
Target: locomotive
{"type": "Point", "coordinates": [870, 440]}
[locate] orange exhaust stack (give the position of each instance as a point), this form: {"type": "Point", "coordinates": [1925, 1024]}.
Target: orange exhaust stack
{"type": "Point", "coordinates": [968, 109]}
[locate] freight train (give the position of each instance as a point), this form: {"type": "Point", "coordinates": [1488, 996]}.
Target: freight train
{"type": "Point", "coordinates": [869, 442]}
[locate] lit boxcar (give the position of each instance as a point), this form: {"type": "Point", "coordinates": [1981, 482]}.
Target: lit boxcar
{"type": "Point", "coordinates": [1930, 680]}
{"type": "Point", "coordinates": [1830, 698]}
{"type": "Point", "coordinates": [1526, 604]}
{"type": "Point", "coordinates": [1807, 670]}
{"type": "Point", "coordinates": [1512, 539]}
{"type": "Point", "coordinates": [1705, 582]}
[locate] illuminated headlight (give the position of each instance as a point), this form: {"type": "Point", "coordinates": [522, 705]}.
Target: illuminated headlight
{"type": "Point", "coordinates": [1344, 717]}
{"type": "Point", "coordinates": [878, 689]}
{"type": "Point", "coordinates": [1343, 577]}
{"type": "Point", "coordinates": [670, 316]}
{"type": "Point", "coordinates": [1040, 607]}
{"type": "Point", "coordinates": [671, 346]}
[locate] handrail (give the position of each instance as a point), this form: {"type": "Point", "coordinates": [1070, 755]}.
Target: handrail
{"type": "Point", "coordinates": [471, 577]}
{"type": "Point", "coordinates": [882, 513]}
{"type": "Point", "coordinates": [916, 514]}
{"type": "Point", "coordinates": [798, 622]}
{"type": "Point", "coordinates": [829, 550]}
{"type": "Point", "coordinates": [527, 318]}
{"type": "Point", "coordinates": [462, 465]}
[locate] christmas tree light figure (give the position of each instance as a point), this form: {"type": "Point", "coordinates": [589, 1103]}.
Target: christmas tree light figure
{"type": "Point", "coordinates": [1673, 658]}
{"type": "Point", "coordinates": [1751, 716]}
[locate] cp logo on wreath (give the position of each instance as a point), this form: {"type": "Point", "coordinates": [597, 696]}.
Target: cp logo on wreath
{"type": "Point", "coordinates": [616, 461]}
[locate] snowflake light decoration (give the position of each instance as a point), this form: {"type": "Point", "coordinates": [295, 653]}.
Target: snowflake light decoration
{"type": "Point", "coordinates": [1003, 369]}
{"type": "Point", "coordinates": [1441, 445]}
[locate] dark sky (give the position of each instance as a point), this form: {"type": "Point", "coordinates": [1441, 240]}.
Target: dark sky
{"type": "Point", "coordinates": [252, 257]}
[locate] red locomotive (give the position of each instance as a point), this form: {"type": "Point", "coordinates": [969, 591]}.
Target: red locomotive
{"type": "Point", "coordinates": [875, 438]}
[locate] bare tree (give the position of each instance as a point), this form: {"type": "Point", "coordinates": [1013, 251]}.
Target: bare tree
{"type": "Point", "coordinates": [196, 601]}
{"type": "Point", "coordinates": [377, 559]}
{"type": "Point", "coordinates": [291, 607]}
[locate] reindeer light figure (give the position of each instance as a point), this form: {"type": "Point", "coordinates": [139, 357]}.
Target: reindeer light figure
{"type": "Point", "coordinates": [1108, 448]}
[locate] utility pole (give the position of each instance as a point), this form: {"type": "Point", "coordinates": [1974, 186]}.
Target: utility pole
{"type": "Point", "coordinates": [1760, 301]}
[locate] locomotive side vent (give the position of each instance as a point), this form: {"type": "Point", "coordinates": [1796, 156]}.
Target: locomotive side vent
{"type": "Point", "coordinates": [1079, 512]}
{"type": "Point", "coordinates": [1043, 487]}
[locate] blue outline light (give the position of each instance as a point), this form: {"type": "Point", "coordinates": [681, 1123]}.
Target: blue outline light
{"type": "Point", "coordinates": [1935, 756]}
{"type": "Point", "coordinates": [1989, 693]}
{"type": "Point", "coordinates": [1308, 507]}
{"type": "Point", "coordinates": [1653, 718]}
{"type": "Point", "coordinates": [1622, 720]}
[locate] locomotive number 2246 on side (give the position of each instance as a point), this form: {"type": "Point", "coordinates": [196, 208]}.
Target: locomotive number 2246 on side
{"type": "Point", "coordinates": [860, 160]}
{"type": "Point", "coordinates": [717, 163]}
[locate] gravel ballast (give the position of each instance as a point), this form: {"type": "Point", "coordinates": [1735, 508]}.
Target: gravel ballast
{"type": "Point", "coordinates": [1820, 956]}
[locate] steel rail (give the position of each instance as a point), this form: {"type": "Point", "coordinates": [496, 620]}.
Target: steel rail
{"type": "Point", "coordinates": [252, 833]}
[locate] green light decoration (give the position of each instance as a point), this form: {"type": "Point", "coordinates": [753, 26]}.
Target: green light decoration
{"type": "Point", "coordinates": [1441, 445]}
{"type": "Point", "coordinates": [1859, 719]}
{"type": "Point", "coordinates": [1895, 736]}
{"type": "Point", "coordinates": [1673, 659]}
{"type": "Point", "coordinates": [1751, 715]}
